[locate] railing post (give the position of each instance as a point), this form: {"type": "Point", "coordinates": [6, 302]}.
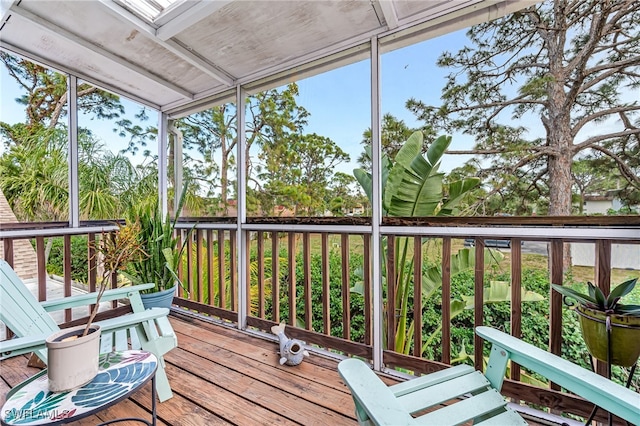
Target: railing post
{"type": "Point", "coordinates": [74, 189]}
{"type": "Point", "coordinates": [242, 235]}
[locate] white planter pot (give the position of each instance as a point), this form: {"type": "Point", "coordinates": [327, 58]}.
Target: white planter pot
{"type": "Point", "coordinates": [72, 363]}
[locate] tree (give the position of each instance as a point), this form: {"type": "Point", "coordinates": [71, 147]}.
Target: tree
{"type": "Point", "coordinates": [298, 170]}
{"type": "Point", "coordinates": [45, 97]}
{"type": "Point", "coordinates": [566, 64]}
{"type": "Point", "coordinates": [589, 177]}
{"type": "Point", "coordinates": [271, 116]}
{"type": "Point", "coordinates": [393, 135]}
{"type": "Point", "coordinates": [342, 196]}
{"type": "Point", "coordinates": [34, 175]}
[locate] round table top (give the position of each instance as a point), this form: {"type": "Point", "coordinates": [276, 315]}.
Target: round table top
{"type": "Point", "coordinates": [119, 375]}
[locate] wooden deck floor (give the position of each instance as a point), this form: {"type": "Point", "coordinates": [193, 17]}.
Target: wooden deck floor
{"type": "Point", "coordinates": [221, 376]}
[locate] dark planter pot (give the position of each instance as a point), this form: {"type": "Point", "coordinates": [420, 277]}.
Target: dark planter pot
{"type": "Point", "coordinates": [625, 336]}
{"type": "Point", "coordinates": [159, 299]}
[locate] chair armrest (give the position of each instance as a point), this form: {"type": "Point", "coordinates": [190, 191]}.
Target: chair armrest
{"type": "Point", "coordinates": [89, 298]}
{"type": "Point", "coordinates": [21, 345]}
{"type": "Point", "coordinates": [372, 395]}
{"type": "Point", "coordinates": [127, 321]}
{"type": "Point", "coordinates": [597, 389]}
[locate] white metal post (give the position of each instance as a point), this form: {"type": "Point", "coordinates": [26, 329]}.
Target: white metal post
{"type": "Point", "coordinates": [74, 189]}
{"type": "Point", "coordinates": [178, 168]}
{"type": "Point", "coordinates": [241, 240]}
{"type": "Point", "coordinates": [376, 206]}
{"type": "Point", "coordinates": [163, 175]}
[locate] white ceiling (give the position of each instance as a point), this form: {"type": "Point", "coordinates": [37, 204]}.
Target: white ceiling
{"type": "Point", "coordinates": [197, 49]}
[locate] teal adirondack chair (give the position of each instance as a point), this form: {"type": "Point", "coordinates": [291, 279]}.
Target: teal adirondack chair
{"type": "Point", "coordinates": [29, 320]}
{"type": "Point", "coordinates": [480, 400]}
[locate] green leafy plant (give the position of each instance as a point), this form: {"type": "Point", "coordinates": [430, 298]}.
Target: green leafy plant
{"type": "Point", "coordinates": [412, 186]}
{"type": "Point", "coordinates": [158, 239]}
{"type": "Point", "coordinates": [595, 298]}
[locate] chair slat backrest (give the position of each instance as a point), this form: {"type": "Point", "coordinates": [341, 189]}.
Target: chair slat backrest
{"type": "Point", "coordinates": [20, 310]}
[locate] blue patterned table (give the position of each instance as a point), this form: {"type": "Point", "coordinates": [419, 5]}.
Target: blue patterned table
{"type": "Point", "coordinates": [120, 375]}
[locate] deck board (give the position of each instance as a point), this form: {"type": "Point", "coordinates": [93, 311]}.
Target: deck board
{"type": "Point", "coordinates": [221, 376]}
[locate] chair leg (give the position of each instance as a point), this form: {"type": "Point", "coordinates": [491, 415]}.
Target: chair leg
{"type": "Point", "coordinates": [162, 384]}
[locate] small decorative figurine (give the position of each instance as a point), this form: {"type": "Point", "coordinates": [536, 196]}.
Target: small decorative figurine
{"type": "Point", "coordinates": [292, 351]}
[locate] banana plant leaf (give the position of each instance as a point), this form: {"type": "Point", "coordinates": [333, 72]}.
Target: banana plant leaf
{"type": "Point", "coordinates": [464, 260]}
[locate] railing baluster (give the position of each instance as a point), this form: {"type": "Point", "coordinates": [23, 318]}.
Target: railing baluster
{"type": "Point", "coordinates": [478, 298]}
{"type": "Point", "coordinates": [516, 298]}
{"type": "Point", "coordinates": [602, 272]}
{"type": "Point", "coordinates": [306, 265]}
{"type": "Point", "coordinates": [42, 270]}
{"type": "Point", "coordinates": [199, 271]}
{"type": "Point", "coordinates": [446, 300]}
{"type": "Point", "coordinates": [248, 273]}
{"type": "Point", "coordinates": [275, 276]}
{"type": "Point", "coordinates": [222, 279]}
{"type": "Point", "coordinates": [8, 251]}
{"type": "Point", "coordinates": [346, 288]}
{"type": "Point", "coordinates": [417, 296]}
{"type": "Point", "coordinates": [180, 267]}
{"type": "Point", "coordinates": [189, 248]}
{"type": "Point", "coordinates": [232, 269]}
{"type": "Point", "coordinates": [391, 292]}
{"type": "Point", "coordinates": [555, 302]}
{"type": "Point", "coordinates": [210, 271]}
{"type": "Point", "coordinates": [67, 273]}
{"type": "Point", "coordinates": [260, 242]}
{"type": "Point", "coordinates": [92, 263]}
{"type": "Point", "coordinates": [367, 288]}
{"type": "Point", "coordinates": [326, 291]}
{"type": "Point", "coordinates": [292, 277]}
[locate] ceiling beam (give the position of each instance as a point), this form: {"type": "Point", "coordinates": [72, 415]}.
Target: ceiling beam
{"type": "Point", "coordinates": [171, 45]}
{"type": "Point", "coordinates": [99, 50]}
{"type": "Point", "coordinates": [389, 13]}
{"type": "Point", "coordinates": [181, 22]}
{"type": "Point", "coordinates": [61, 68]}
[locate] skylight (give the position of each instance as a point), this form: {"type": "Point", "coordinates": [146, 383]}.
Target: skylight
{"type": "Point", "coordinates": [147, 9]}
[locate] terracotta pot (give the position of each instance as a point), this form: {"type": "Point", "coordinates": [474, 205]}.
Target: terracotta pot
{"type": "Point", "coordinates": [159, 299]}
{"type": "Point", "coordinates": [72, 363]}
{"type": "Point", "coordinates": [625, 336]}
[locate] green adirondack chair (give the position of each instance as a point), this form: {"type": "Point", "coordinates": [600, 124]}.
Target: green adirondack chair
{"type": "Point", "coordinates": [479, 396]}
{"type": "Point", "coordinates": [31, 323]}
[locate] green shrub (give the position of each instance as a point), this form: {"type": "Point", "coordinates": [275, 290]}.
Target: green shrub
{"type": "Point", "coordinates": [79, 258]}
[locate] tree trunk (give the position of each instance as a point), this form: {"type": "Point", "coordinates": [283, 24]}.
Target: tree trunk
{"type": "Point", "coordinates": [558, 126]}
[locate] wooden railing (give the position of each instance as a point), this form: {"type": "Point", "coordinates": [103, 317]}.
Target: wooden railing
{"type": "Point", "coordinates": [321, 281]}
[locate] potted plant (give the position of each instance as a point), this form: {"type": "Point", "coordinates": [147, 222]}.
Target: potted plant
{"type": "Point", "coordinates": [600, 315]}
{"type": "Point", "coordinates": [157, 238]}
{"type": "Point", "coordinates": [72, 353]}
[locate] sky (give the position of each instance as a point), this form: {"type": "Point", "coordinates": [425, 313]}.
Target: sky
{"type": "Point", "coordinates": [338, 100]}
